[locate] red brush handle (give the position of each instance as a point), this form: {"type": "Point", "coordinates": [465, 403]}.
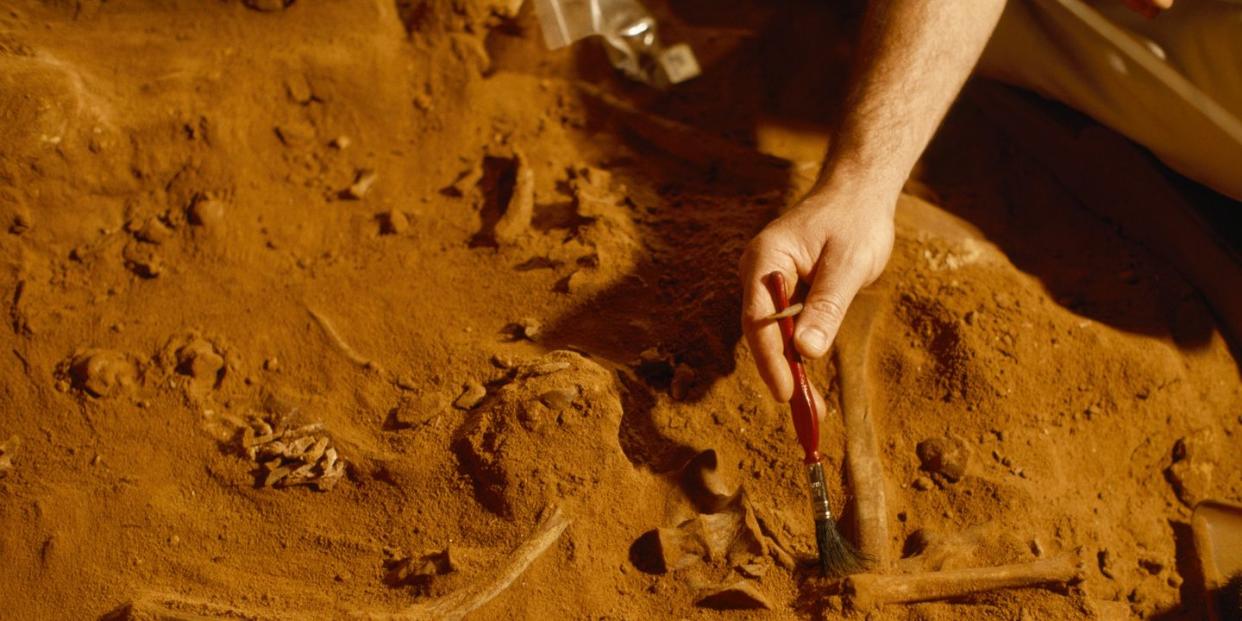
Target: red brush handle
{"type": "Point", "coordinates": [805, 418]}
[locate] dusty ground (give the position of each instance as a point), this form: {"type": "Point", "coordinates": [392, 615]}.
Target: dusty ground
{"type": "Point", "coordinates": [221, 220]}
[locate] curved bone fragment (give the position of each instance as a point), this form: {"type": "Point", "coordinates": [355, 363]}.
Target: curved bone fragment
{"type": "Point", "coordinates": [870, 590]}
{"type": "Point", "coordinates": [862, 449]}
{"type": "Point", "coordinates": [458, 604]}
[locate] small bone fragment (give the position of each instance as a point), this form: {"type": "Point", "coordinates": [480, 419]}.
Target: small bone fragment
{"type": "Point", "coordinates": [677, 549]}
{"type": "Point", "coordinates": [340, 343]}
{"type": "Point", "coordinates": [458, 604]}
{"type": "Point", "coordinates": [515, 222]}
{"type": "Point", "coordinates": [862, 449]}
{"type": "Point", "coordinates": [740, 595]}
{"type": "Point", "coordinates": [869, 590]}
{"type": "Point", "coordinates": [779, 548]}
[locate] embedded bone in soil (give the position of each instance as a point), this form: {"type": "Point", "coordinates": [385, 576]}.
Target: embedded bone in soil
{"type": "Point", "coordinates": [340, 343]}
{"type": "Point", "coordinates": [740, 595]}
{"type": "Point", "coordinates": [294, 456]}
{"type": "Point", "coordinates": [458, 604]}
{"type": "Point", "coordinates": [732, 534]}
{"type": "Point", "coordinates": [163, 607]}
{"type": "Point", "coordinates": [869, 590]}
{"type": "Point", "coordinates": [862, 450]}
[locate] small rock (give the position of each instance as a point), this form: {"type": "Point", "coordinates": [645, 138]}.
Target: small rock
{"type": "Point", "coordinates": [297, 87]}
{"type": "Point", "coordinates": [741, 595]}
{"type": "Point", "coordinates": [559, 399]}
{"type": "Point", "coordinates": [153, 231]}
{"type": "Point", "coordinates": [472, 394]}
{"type": "Point", "coordinates": [575, 282]}
{"type": "Point", "coordinates": [529, 328]}
{"type": "Point", "coordinates": [1036, 548]}
{"type": "Point", "coordinates": [1105, 559]}
{"type": "Point", "coordinates": [1153, 565]}
{"type": "Point", "coordinates": [142, 260]}
{"type": "Point", "coordinates": [296, 134]}
{"type": "Point", "coordinates": [945, 456]}
{"type": "Point", "coordinates": [362, 184]}
{"type": "Point", "coordinates": [421, 569]}
{"type": "Point", "coordinates": [102, 373]}
{"type": "Point", "coordinates": [515, 222]}
{"type": "Point", "coordinates": [199, 360]}
{"type": "Point", "coordinates": [752, 570]}
{"type": "Point", "coordinates": [922, 484]}
{"type": "Point", "coordinates": [1192, 467]}
{"type": "Point", "coordinates": [207, 212]}
{"type": "Point", "coordinates": [7, 449]}
{"type": "Point", "coordinates": [394, 222]}
{"type": "Point", "coordinates": [340, 143]}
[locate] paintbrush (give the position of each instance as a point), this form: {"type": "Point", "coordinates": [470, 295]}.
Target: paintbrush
{"type": "Point", "coordinates": [837, 556]}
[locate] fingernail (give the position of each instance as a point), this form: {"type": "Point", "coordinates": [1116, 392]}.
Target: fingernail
{"type": "Point", "coordinates": [813, 341]}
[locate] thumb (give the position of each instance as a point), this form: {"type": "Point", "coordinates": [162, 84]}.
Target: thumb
{"type": "Point", "coordinates": [832, 290]}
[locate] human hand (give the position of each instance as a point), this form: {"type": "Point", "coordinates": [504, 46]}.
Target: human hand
{"type": "Point", "coordinates": [838, 239]}
{"type": "Point", "coordinates": [1149, 8]}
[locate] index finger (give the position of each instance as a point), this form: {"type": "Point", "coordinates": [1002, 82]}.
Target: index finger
{"type": "Point", "coordinates": [762, 334]}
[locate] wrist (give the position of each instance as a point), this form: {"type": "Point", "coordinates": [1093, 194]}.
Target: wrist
{"type": "Point", "coordinates": [849, 185]}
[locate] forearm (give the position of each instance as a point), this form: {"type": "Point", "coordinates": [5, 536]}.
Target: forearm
{"type": "Point", "coordinates": [912, 59]}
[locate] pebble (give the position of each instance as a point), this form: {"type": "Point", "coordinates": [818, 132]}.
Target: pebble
{"type": "Point", "coordinates": [142, 260]}
{"type": "Point", "coordinates": [1191, 473]}
{"type": "Point", "coordinates": [7, 449]}
{"type": "Point", "coordinates": [559, 399]}
{"type": "Point", "coordinates": [945, 456]}
{"type": "Point", "coordinates": [207, 212]}
{"type": "Point", "coordinates": [529, 328]}
{"type": "Point", "coordinates": [1105, 559]}
{"type": "Point", "coordinates": [298, 88]}
{"type": "Point", "coordinates": [362, 184]}
{"type": "Point", "coordinates": [102, 373]}
{"type": "Point", "coordinates": [153, 231]}
{"type": "Point", "coordinates": [200, 361]}
{"type": "Point", "coordinates": [296, 133]}
{"type": "Point", "coordinates": [922, 484]}
{"type": "Point", "coordinates": [472, 394]}
{"type": "Point", "coordinates": [394, 222]}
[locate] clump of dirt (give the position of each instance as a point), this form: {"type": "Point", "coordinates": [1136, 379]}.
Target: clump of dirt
{"type": "Point", "coordinates": [498, 283]}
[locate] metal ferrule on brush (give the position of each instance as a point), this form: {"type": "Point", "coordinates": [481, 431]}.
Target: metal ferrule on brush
{"type": "Point", "coordinates": [819, 491]}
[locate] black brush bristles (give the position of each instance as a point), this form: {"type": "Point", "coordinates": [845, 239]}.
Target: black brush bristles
{"type": "Point", "coordinates": [837, 556]}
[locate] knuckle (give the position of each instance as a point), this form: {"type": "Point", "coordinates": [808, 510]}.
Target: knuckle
{"type": "Point", "coordinates": [824, 309]}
